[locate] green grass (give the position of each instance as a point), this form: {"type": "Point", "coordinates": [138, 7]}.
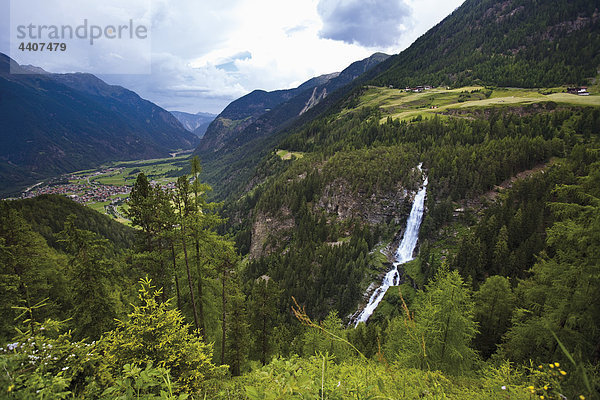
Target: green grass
{"type": "Point", "coordinates": [405, 106]}
{"type": "Point", "coordinates": [156, 170]}
{"type": "Point", "coordinates": [287, 155]}
{"type": "Point", "coordinates": [99, 206]}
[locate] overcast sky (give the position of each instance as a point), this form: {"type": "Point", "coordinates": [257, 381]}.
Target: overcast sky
{"type": "Point", "coordinates": [204, 54]}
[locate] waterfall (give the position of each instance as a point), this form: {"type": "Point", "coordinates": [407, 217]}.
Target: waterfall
{"type": "Point", "coordinates": [403, 254]}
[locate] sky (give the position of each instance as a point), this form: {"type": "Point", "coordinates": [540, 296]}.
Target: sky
{"type": "Point", "coordinates": [200, 55]}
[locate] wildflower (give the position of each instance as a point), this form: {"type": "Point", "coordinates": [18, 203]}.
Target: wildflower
{"type": "Point", "coordinates": [540, 366]}
{"type": "Point", "coordinates": [556, 364]}
{"type": "Point", "coordinates": [530, 388]}
{"type": "Point", "coordinates": [581, 397]}
{"type": "Point", "coordinates": [503, 388]}
{"type": "Point", "coordinates": [11, 387]}
{"type": "Point", "coordinates": [551, 365]}
{"type": "Point", "coordinates": [545, 387]}
{"type": "Point", "coordinates": [65, 368]}
{"type": "Point", "coordinates": [563, 372]}
{"type": "Point", "coordinates": [542, 397]}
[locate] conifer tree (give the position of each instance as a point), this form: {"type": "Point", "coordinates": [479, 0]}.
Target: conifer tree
{"type": "Point", "coordinates": [238, 330]}
{"type": "Point", "coordinates": [92, 276]}
{"type": "Point", "coordinates": [181, 197]}
{"type": "Point", "coordinates": [153, 332]}
{"type": "Point", "coordinates": [494, 304]}
{"type": "Point", "coordinates": [439, 333]}
{"type": "Point", "coordinates": [263, 300]}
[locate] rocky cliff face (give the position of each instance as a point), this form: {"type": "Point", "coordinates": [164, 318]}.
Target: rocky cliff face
{"type": "Point", "coordinates": [270, 232]}
{"type": "Point", "coordinates": [380, 207]}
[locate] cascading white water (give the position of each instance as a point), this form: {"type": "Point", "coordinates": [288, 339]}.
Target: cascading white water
{"type": "Point", "coordinates": [403, 254]}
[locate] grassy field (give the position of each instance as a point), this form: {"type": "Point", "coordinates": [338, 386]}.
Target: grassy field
{"type": "Point", "coordinates": [405, 106]}
{"type": "Point", "coordinates": [93, 182]}
{"type": "Point", "coordinates": [126, 172]}
{"type": "Point", "coordinates": [287, 155]}
{"type": "Point", "coordinates": [99, 206]}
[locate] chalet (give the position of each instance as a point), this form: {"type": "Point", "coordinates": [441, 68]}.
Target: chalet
{"type": "Point", "coordinates": [417, 89]}
{"type": "Point", "coordinates": [581, 91]}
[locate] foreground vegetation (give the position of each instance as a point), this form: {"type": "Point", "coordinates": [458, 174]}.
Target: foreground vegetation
{"type": "Point", "coordinates": [505, 312]}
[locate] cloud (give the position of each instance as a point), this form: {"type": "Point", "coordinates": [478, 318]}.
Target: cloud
{"type": "Point", "coordinates": [229, 63]}
{"type": "Point", "coordinates": [295, 29]}
{"type": "Point", "coordinates": [372, 23]}
{"type": "Point", "coordinates": [175, 85]}
{"type": "Point", "coordinates": [206, 54]}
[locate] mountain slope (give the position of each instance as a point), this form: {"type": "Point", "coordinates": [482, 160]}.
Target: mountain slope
{"type": "Point", "coordinates": [230, 165]}
{"type": "Point", "coordinates": [54, 123]}
{"type": "Point", "coordinates": [196, 123]}
{"type": "Point", "coordinates": [520, 43]}
{"type": "Point", "coordinates": [241, 113]}
{"type": "Point", "coordinates": [48, 213]}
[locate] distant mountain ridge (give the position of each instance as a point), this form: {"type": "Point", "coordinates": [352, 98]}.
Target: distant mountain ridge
{"type": "Point", "coordinates": [57, 123]}
{"type": "Point", "coordinates": [241, 113]}
{"type": "Point", "coordinates": [196, 123]}
{"type": "Point", "coordinates": [248, 125]}
{"type": "Point", "coordinates": [522, 43]}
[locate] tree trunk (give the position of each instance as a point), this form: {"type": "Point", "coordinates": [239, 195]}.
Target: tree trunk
{"type": "Point", "coordinates": [446, 331]}
{"type": "Point", "coordinates": [175, 274]}
{"type": "Point", "coordinates": [187, 267]}
{"type": "Point", "coordinates": [163, 272]}
{"type": "Point", "coordinates": [199, 270]}
{"type": "Point", "coordinates": [223, 314]}
{"type": "Point", "coordinates": [263, 357]}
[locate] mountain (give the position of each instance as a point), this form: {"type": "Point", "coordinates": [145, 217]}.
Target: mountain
{"type": "Point", "coordinates": [47, 214]}
{"type": "Point", "coordinates": [55, 123]}
{"type": "Point", "coordinates": [240, 135]}
{"type": "Point", "coordinates": [196, 123]}
{"type": "Point", "coordinates": [512, 43]}
{"type": "Point", "coordinates": [518, 43]}
{"type": "Point", "coordinates": [242, 112]}
{"type": "Point", "coordinates": [329, 189]}
{"type": "Point", "coordinates": [299, 105]}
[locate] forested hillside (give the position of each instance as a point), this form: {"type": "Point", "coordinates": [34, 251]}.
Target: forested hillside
{"type": "Point", "coordinates": [241, 136]}
{"type": "Point", "coordinates": [57, 123]}
{"type": "Point", "coordinates": [517, 43]}
{"type": "Point", "coordinates": [256, 297]}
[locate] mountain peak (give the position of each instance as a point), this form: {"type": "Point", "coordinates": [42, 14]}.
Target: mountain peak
{"type": "Point", "coordinates": [56, 123]}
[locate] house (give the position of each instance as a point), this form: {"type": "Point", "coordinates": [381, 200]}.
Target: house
{"type": "Point", "coordinates": [581, 91]}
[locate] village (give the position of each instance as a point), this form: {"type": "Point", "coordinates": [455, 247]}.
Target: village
{"type": "Point", "coordinates": [81, 189]}
{"type": "Point", "coordinates": [106, 190]}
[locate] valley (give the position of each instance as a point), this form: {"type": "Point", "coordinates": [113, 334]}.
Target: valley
{"type": "Point", "coordinates": [424, 225]}
{"type": "Point", "coordinates": [105, 189]}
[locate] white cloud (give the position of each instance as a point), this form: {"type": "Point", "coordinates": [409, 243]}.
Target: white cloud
{"type": "Point", "coordinates": [372, 23]}
{"type": "Point", "coordinates": [206, 54]}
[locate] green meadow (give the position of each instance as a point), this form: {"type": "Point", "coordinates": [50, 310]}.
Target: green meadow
{"type": "Point", "coordinates": [398, 104]}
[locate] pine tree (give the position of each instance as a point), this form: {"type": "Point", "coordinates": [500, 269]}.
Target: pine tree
{"type": "Point", "coordinates": [237, 338]}
{"type": "Point", "coordinates": [29, 271]}
{"type": "Point", "coordinates": [181, 198]}
{"type": "Point", "coordinates": [156, 333]}
{"type": "Point", "coordinates": [92, 276]}
{"type": "Point", "coordinates": [440, 333]}
{"type": "Point", "coordinates": [494, 304]}
{"type": "Point", "coordinates": [263, 300]}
